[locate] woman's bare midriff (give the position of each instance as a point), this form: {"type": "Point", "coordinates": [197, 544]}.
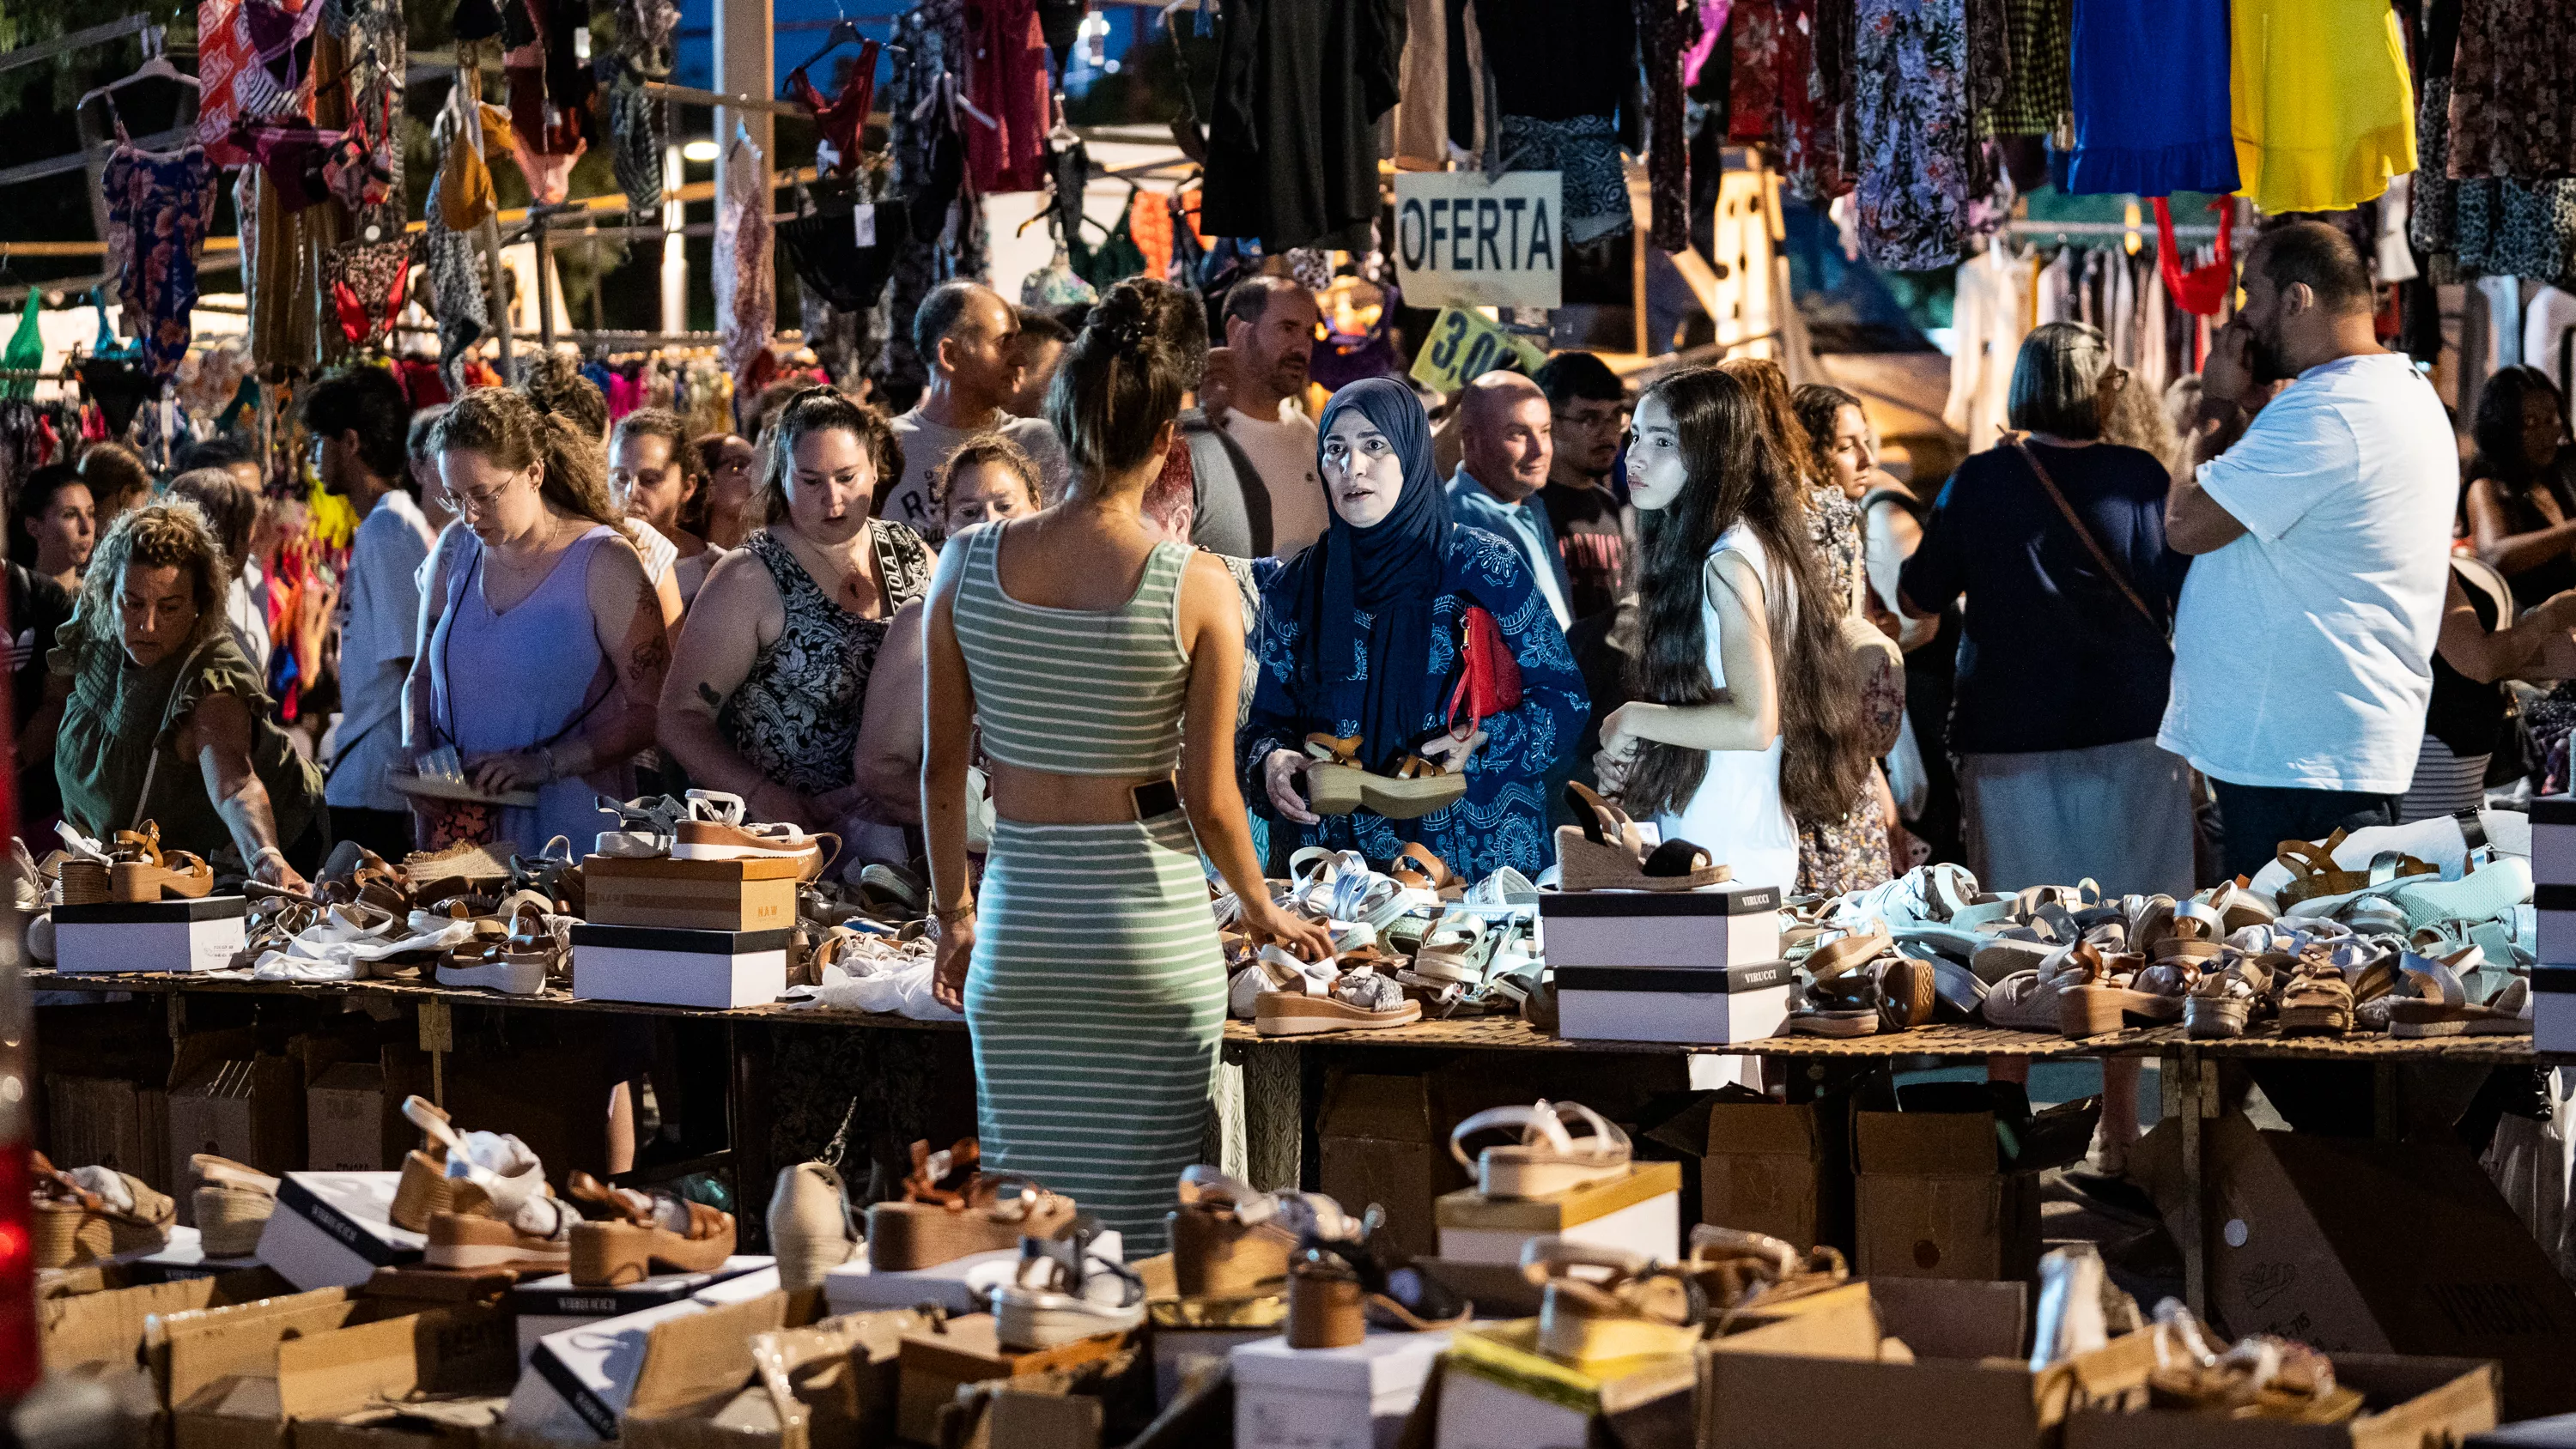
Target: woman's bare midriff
{"type": "Point", "coordinates": [1041, 797]}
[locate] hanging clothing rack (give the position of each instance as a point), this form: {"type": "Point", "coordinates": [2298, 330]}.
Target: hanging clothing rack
{"type": "Point", "coordinates": [2145, 231]}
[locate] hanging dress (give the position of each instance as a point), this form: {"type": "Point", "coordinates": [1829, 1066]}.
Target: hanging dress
{"type": "Point", "coordinates": [2324, 111]}
{"type": "Point", "coordinates": [2149, 82]}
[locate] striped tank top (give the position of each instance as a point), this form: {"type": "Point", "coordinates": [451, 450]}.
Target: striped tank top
{"type": "Point", "coordinates": [1075, 691]}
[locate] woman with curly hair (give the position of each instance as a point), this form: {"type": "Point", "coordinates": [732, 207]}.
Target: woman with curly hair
{"type": "Point", "coordinates": [164, 719]}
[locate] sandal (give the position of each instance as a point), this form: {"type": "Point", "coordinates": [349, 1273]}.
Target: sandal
{"type": "Point", "coordinates": [1597, 1326]}
{"type": "Point", "coordinates": [1417, 788]}
{"type": "Point", "coordinates": [1418, 869]}
{"type": "Point", "coordinates": [180, 874]}
{"type": "Point", "coordinates": [1333, 782]}
{"type": "Point", "coordinates": [953, 1209]}
{"type": "Point", "coordinates": [1607, 852]}
{"type": "Point", "coordinates": [1739, 1271]}
{"type": "Point", "coordinates": [1548, 1159]}
{"type": "Point", "coordinates": [1055, 1296]}
{"type": "Point", "coordinates": [1453, 949]}
{"type": "Point", "coordinates": [89, 1213]}
{"type": "Point", "coordinates": [2316, 1001]}
{"type": "Point", "coordinates": [1229, 1240]}
{"type": "Point", "coordinates": [644, 1232]}
{"type": "Point", "coordinates": [233, 1205]}
{"type": "Point", "coordinates": [1354, 1001]}
{"type": "Point", "coordinates": [1843, 998]}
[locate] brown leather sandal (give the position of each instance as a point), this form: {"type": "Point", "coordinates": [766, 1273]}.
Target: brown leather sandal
{"type": "Point", "coordinates": [951, 1208]}
{"type": "Point", "coordinates": [637, 1236]}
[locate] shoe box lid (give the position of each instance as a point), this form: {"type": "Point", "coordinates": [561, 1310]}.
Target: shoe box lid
{"type": "Point", "coordinates": [1468, 1208]}
{"type": "Point", "coordinates": [2553, 809]}
{"type": "Point", "coordinates": [1381, 1363]}
{"type": "Point", "coordinates": [152, 913]}
{"type": "Point", "coordinates": [671, 938]}
{"type": "Point", "coordinates": [591, 1373]}
{"type": "Point", "coordinates": [663, 867]}
{"type": "Point", "coordinates": [559, 1297]}
{"type": "Point", "coordinates": [1691, 980]}
{"type": "Point", "coordinates": [1730, 898]}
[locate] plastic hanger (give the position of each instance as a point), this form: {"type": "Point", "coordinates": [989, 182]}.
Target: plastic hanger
{"type": "Point", "coordinates": [843, 32]}
{"type": "Point", "coordinates": [156, 66]}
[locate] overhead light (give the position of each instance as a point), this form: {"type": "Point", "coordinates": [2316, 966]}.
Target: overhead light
{"type": "Point", "coordinates": [701, 151]}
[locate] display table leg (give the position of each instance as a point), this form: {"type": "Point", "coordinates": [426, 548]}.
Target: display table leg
{"type": "Point", "coordinates": [1274, 1114]}
{"type": "Point", "coordinates": [2190, 1095]}
{"type": "Point", "coordinates": [438, 1038]}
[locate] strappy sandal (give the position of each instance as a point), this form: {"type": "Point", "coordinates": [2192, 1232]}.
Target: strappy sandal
{"type": "Point", "coordinates": [1739, 1271]}
{"type": "Point", "coordinates": [1352, 1001]}
{"type": "Point", "coordinates": [646, 826]}
{"type": "Point", "coordinates": [2096, 992]}
{"type": "Point", "coordinates": [233, 1204]}
{"type": "Point", "coordinates": [951, 1209]}
{"type": "Point", "coordinates": [76, 1221]}
{"type": "Point", "coordinates": [1229, 1239]}
{"type": "Point", "coordinates": [1842, 995]}
{"type": "Point", "coordinates": [1606, 851]}
{"type": "Point", "coordinates": [643, 1232]}
{"type": "Point", "coordinates": [1052, 1297]}
{"type": "Point", "coordinates": [2316, 1001]}
{"type": "Point", "coordinates": [1418, 869]}
{"type": "Point", "coordinates": [1453, 949]}
{"type": "Point", "coordinates": [1548, 1159]}
{"type": "Point", "coordinates": [2221, 1002]}
{"type": "Point", "coordinates": [142, 873]}
{"type": "Point", "coordinates": [1622, 1307]}
{"type": "Point", "coordinates": [1333, 782]}
{"type": "Point", "coordinates": [1418, 788]}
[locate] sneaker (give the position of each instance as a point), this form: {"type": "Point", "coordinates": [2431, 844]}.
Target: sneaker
{"type": "Point", "coordinates": [643, 1232]}
{"type": "Point", "coordinates": [811, 1228]}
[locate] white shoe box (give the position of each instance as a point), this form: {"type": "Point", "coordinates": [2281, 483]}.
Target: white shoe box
{"type": "Point", "coordinates": [579, 1380]}
{"type": "Point", "coordinates": [1477, 1413]}
{"type": "Point", "coordinates": [1330, 1398]}
{"type": "Point", "coordinates": [164, 936]}
{"type": "Point", "coordinates": [958, 1285]}
{"type": "Point", "coordinates": [1704, 1006]}
{"type": "Point", "coordinates": [1640, 1213]}
{"type": "Point", "coordinates": [679, 968]}
{"type": "Point", "coordinates": [2554, 933]}
{"type": "Point", "coordinates": [2553, 1009]}
{"type": "Point", "coordinates": [551, 1305]}
{"type": "Point", "coordinates": [184, 1256]}
{"type": "Point", "coordinates": [2553, 840]}
{"type": "Point", "coordinates": [1725, 925]}
{"type": "Point", "coordinates": [334, 1229]}
{"type": "Point", "coordinates": [1181, 1352]}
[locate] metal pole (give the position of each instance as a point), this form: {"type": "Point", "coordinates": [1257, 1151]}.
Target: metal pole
{"type": "Point", "coordinates": [545, 279]}
{"type": "Point", "coordinates": [490, 233]}
{"type": "Point", "coordinates": [675, 213]}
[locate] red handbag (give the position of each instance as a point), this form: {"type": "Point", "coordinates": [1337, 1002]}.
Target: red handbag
{"type": "Point", "coordinates": [1489, 678]}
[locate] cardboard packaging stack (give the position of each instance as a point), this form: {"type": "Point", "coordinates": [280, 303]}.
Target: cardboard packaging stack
{"type": "Point", "coordinates": [1699, 966]}
{"type": "Point", "coordinates": [706, 933]}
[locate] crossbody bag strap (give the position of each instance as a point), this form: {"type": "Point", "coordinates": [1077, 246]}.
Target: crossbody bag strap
{"type": "Point", "coordinates": [2092, 545]}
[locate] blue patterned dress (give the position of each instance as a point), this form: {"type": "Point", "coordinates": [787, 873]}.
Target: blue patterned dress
{"type": "Point", "coordinates": [1502, 821]}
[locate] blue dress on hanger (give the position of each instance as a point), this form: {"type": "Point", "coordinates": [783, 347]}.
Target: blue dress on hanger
{"type": "Point", "coordinates": [2149, 79]}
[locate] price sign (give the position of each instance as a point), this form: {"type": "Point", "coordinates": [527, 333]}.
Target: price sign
{"type": "Point", "coordinates": [1465, 346]}
{"type": "Point", "coordinates": [1463, 241]}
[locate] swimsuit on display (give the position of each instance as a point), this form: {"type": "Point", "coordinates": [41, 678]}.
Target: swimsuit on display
{"type": "Point", "coordinates": [158, 205]}
{"type": "Point", "coordinates": [840, 120]}
{"type": "Point", "coordinates": [829, 261]}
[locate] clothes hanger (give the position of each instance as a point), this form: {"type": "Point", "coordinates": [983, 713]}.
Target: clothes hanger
{"type": "Point", "coordinates": [156, 66]}
{"type": "Point", "coordinates": [843, 32]}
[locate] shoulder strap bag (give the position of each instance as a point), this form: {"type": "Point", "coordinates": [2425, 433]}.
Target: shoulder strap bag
{"type": "Point", "coordinates": [2092, 545]}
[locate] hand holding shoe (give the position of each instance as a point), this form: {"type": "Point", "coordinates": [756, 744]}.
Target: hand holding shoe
{"type": "Point", "coordinates": [1301, 938]}
{"type": "Point", "coordinates": [1279, 775]}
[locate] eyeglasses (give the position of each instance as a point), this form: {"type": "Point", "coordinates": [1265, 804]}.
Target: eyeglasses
{"type": "Point", "coordinates": [478, 502]}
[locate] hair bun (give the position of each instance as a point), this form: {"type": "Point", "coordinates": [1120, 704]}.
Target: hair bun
{"type": "Point", "coordinates": [1123, 317]}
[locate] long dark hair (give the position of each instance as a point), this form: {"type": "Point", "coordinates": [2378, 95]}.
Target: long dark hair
{"type": "Point", "coordinates": [2496, 429]}
{"type": "Point", "coordinates": [1119, 382]}
{"type": "Point", "coordinates": [1736, 474]}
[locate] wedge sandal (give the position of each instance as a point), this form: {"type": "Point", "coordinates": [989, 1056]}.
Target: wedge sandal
{"type": "Point", "coordinates": [952, 1209]}
{"type": "Point", "coordinates": [1548, 1159]}
{"type": "Point", "coordinates": [1606, 852]}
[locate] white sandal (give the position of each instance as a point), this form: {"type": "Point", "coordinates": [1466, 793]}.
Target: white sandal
{"type": "Point", "coordinates": [1548, 1159]}
{"type": "Point", "coordinates": [1452, 949]}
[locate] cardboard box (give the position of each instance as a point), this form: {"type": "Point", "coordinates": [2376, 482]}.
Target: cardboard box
{"type": "Point", "coordinates": [344, 1116]}
{"type": "Point", "coordinates": [357, 1368]}
{"type": "Point", "coordinates": [2302, 1245]}
{"type": "Point", "coordinates": [2407, 1403]}
{"type": "Point", "coordinates": [831, 1385]}
{"type": "Point", "coordinates": [579, 1382]}
{"type": "Point", "coordinates": [1330, 1398]}
{"type": "Point", "coordinates": [332, 1229]}
{"type": "Point", "coordinates": [103, 1121]}
{"type": "Point", "coordinates": [1497, 1392]}
{"type": "Point", "coordinates": [856, 1287]}
{"type": "Point", "coordinates": [1729, 925]}
{"type": "Point", "coordinates": [108, 1327]}
{"type": "Point", "coordinates": [935, 1362]}
{"type": "Point", "coordinates": [1381, 1145]}
{"type": "Point", "coordinates": [553, 1304]}
{"type": "Point", "coordinates": [691, 895]}
{"type": "Point", "coordinates": [161, 937]}
{"type": "Point", "coordinates": [1707, 1006]}
{"type": "Point", "coordinates": [1779, 1168]}
{"type": "Point", "coordinates": [462, 1421]}
{"type": "Point", "coordinates": [229, 1098]}
{"type": "Point", "coordinates": [1929, 1203]}
{"type": "Point", "coordinates": [679, 967]}
{"type": "Point", "coordinates": [1639, 1211]}
{"type": "Point", "coordinates": [1814, 1380]}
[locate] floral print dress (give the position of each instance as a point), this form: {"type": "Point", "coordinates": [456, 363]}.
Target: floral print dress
{"type": "Point", "coordinates": [1912, 127]}
{"type": "Point", "coordinates": [795, 717]}
{"type": "Point", "coordinates": [1848, 854]}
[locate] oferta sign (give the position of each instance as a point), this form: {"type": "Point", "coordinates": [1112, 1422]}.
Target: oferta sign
{"type": "Point", "coordinates": [1463, 241]}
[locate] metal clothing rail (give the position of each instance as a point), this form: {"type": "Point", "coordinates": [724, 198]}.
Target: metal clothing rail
{"type": "Point", "coordinates": [2144, 230]}
{"type": "Point", "coordinates": [95, 35]}
{"type": "Point", "coordinates": [37, 170]}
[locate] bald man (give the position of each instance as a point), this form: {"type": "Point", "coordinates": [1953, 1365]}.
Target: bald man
{"type": "Point", "coordinates": [1504, 433]}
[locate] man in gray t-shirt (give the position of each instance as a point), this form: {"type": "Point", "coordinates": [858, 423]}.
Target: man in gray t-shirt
{"type": "Point", "coordinates": [970, 337]}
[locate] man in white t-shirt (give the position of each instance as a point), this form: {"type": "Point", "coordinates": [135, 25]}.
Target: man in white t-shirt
{"type": "Point", "coordinates": [2321, 525]}
{"type": "Point", "coordinates": [970, 338]}
{"type": "Point", "coordinates": [1270, 327]}
{"type": "Point", "coordinates": [359, 419]}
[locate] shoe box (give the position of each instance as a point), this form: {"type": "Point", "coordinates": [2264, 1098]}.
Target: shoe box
{"type": "Point", "coordinates": [249, 1375]}
{"type": "Point", "coordinates": [690, 895]}
{"type": "Point", "coordinates": [1834, 1375]}
{"type": "Point", "coordinates": [1734, 924]}
{"type": "Point", "coordinates": [2301, 1246]}
{"type": "Point", "coordinates": [1330, 1398]}
{"type": "Point", "coordinates": [1638, 1211]}
{"type": "Point", "coordinates": [1930, 1202]}
{"type": "Point", "coordinates": [1709, 1006]}
{"type": "Point", "coordinates": [1497, 1391]}
{"type": "Point", "coordinates": [956, 1286]}
{"type": "Point", "coordinates": [553, 1304]}
{"type": "Point", "coordinates": [2553, 898]}
{"type": "Point", "coordinates": [2553, 1008]}
{"type": "Point", "coordinates": [671, 966]}
{"type": "Point", "coordinates": [181, 1258]}
{"type": "Point", "coordinates": [938, 1359]}
{"type": "Point", "coordinates": [333, 1229]}
{"type": "Point", "coordinates": [831, 1384]}
{"type": "Point", "coordinates": [579, 1382]}
{"type": "Point", "coordinates": [150, 936]}
{"type": "Point", "coordinates": [2405, 1401]}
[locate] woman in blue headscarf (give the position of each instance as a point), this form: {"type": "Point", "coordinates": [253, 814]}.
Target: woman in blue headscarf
{"type": "Point", "coordinates": [1360, 653]}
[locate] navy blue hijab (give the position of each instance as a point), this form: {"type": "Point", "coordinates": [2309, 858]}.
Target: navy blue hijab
{"type": "Point", "coordinates": [1392, 572]}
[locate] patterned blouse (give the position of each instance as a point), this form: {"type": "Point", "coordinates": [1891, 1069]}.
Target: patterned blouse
{"type": "Point", "coordinates": [796, 717]}
{"type": "Point", "coordinates": [1502, 820]}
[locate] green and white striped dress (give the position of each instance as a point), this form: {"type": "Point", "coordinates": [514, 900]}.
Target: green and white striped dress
{"type": "Point", "coordinates": [1097, 993]}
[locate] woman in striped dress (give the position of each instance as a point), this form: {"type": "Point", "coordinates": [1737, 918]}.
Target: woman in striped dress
{"type": "Point", "coordinates": [1097, 662]}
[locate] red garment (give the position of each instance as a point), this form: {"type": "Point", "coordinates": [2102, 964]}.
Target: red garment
{"type": "Point", "coordinates": [1753, 91]}
{"type": "Point", "coordinates": [1149, 225]}
{"type": "Point", "coordinates": [220, 56]}
{"type": "Point", "coordinates": [2203, 290]}
{"type": "Point", "coordinates": [1006, 79]}
{"type": "Point", "coordinates": [840, 120]}
{"type": "Point", "coordinates": [421, 383]}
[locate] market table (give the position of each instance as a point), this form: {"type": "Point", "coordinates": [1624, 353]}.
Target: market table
{"type": "Point", "coordinates": [1283, 1075]}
